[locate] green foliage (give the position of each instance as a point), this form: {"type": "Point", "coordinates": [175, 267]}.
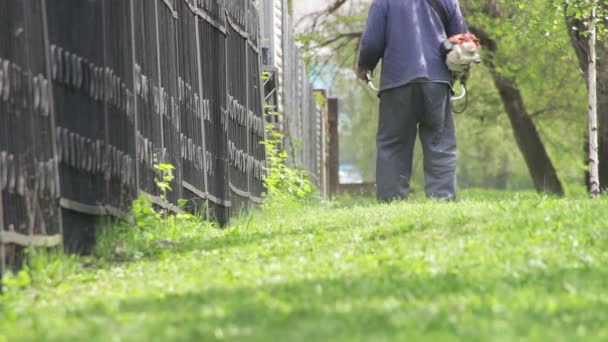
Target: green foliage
{"type": "Point", "coordinates": [164, 178]}
{"type": "Point", "coordinates": [581, 9]}
{"type": "Point", "coordinates": [488, 156]}
{"type": "Point", "coordinates": [43, 268]}
{"type": "Point", "coordinates": [151, 232]}
{"type": "Point", "coordinates": [282, 182]}
{"type": "Point", "coordinates": [496, 265]}
{"type": "Point", "coordinates": [320, 100]}
{"type": "Point", "coordinates": [534, 50]}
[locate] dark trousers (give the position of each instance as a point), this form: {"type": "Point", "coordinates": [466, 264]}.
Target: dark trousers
{"type": "Point", "coordinates": [425, 108]}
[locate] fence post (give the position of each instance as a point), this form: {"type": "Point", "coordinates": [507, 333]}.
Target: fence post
{"type": "Point", "coordinates": [2, 254]}
{"type": "Point", "coordinates": [54, 143]}
{"type": "Point", "coordinates": [161, 158]}
{"type": "Point", "coordinates": [334, 146]}
{"type": "Point", "coordinates": [199, 67]}
{"type": "Point", "coordinates": [135, 101]}
{"type": "Point", "coordinates": [320, 103]}
{"type": "Point", "coordinates": [247, 98]}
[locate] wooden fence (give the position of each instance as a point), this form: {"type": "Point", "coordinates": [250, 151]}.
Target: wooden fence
{"type": "Point", "coordinates": [94, 94]}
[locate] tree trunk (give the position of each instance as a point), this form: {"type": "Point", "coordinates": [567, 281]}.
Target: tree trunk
{"type": "Point", "coordinates": [537, 159]}
{"type": "Point", "coordinates": [539, 164]}
{"type": "Point", "coordinates": [580, 44]}
{"type": "Point", "coordinates": [594, 181]}
{"type": "Point", "coordinates": [502, 179]}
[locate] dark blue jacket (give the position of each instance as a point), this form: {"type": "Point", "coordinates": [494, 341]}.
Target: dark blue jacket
{"type": "Point", "coordinates": [407, 36]}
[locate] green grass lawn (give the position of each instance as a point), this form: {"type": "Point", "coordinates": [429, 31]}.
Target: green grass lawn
{"type": "Point", "coordinates": [497, 266]}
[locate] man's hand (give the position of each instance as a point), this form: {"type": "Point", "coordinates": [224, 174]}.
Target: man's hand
{"type": "Point", "coordinates": [361, 73]}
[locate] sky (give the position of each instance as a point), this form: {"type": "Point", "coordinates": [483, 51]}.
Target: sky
{"type": "Point", "coordinates": [303, 7]}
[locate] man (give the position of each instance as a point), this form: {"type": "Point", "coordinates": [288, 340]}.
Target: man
{"type": "Point", "coordinates": [414, 94]}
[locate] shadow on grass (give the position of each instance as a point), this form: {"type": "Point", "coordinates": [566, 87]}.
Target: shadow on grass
{"type": "Point", "coordinates": [266, 226]}
{"type": "Point", "coordinates": [241, 234]}
{"type": "Point", "coordinates": [381, 306]}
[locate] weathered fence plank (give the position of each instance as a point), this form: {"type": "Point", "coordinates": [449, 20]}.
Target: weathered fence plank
{"type": "Point", "coordinates": [29, 187]}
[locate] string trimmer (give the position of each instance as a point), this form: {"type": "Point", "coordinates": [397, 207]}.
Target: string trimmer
{"type": "Point", "coordinates": [461, 52]}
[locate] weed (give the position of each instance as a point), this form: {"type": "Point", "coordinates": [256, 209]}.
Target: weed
{"type": "Point", "coordinates": [150, 234]}
{"type": "Point", "coordinates": [164, 178]}
{"type": "Point", "coordinates": [282, 183]}
{"type": "Point", "coordinates": [43, 268]}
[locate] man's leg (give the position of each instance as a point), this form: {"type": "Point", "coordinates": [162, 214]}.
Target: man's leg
{"type": "Point", "coordinates": [395, 142]}
{"type": "Point", "coordinates": [438, 138]}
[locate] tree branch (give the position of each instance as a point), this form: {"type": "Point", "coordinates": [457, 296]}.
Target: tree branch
{"type": "Point", "coordinates": [339, 36]}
